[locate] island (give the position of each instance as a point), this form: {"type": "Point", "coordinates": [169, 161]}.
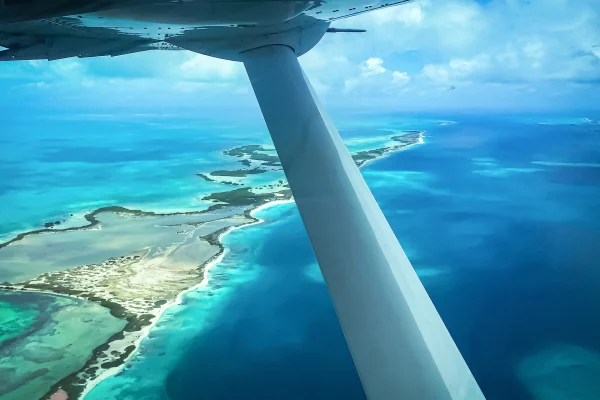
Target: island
{"type": "Point", "coordinates": [238, 173]}
{"type": "Point", "coordinates": [137, 263]}
{"type": "Point", "coordinates": [259, 154]}
{"type": "Point", "coordinates": [399, 142]}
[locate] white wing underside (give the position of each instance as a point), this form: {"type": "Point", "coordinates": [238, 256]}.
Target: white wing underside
{"type": "Point", "coordinates": [129, 26]}
{"type": "Point", "coordinates": [400, 345]}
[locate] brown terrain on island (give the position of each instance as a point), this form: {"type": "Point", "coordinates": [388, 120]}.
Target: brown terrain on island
{"type": "Point", "coordinates": [136, 263]}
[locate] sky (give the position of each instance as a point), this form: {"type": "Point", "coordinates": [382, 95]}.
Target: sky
{"type": "Point", "coordinates": [429, 55]}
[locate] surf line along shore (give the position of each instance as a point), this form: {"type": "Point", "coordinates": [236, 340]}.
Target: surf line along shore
{"type": "Point", "coordinates": [146, 330]}
{"type": "Point", "coordinates": [163, 257]}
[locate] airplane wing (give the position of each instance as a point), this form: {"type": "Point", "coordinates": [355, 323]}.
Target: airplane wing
{"type": "Point", "coordinates": [400, 345]}
{"type": "Point", "coordinates": [63, 37]}
{"type": "Point", "coordinates": [31, 29]}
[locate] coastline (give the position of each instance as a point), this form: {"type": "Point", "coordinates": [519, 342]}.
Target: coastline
{"type": "Point", "coordinates": [420, 141]}
{"type": "Point", "coordinates": [178, 300]}
{"type": "Point", "coordinates": [130, 341]}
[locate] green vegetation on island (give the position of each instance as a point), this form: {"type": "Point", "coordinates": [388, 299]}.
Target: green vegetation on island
{"type": "Point", "coordinates": [254, 152]}
{"type": "Point", "coordinates": [246, 197]}
{"type": "Point", "coordinates": [407, 139]}
{"type": "Point", "coordinates": [238, 172]}
{"type": "Point", "coordinates": [209, 179]}
{"type": "Point", "coordinates": [367, 155]}
{"type": "Point", "coordinates": [108, 282]}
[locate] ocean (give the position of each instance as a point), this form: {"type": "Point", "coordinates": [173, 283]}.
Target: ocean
{"type": "Point", "coordinates": [500, 216]}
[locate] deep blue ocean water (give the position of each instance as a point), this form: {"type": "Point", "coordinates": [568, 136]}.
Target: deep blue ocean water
{"type": "Point", "coordinates": [508, 249]}
{"type": "Point", "coordinates": [499, 215]}
{"type": "Point", "coordinates": [519, 242]}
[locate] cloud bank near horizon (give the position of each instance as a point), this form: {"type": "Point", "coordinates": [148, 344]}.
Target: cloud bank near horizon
{"type": "Point", "coordinates": [426, 55]}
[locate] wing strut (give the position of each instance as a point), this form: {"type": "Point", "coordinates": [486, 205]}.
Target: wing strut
{"type": "Point", "coordinates": [400, 346]}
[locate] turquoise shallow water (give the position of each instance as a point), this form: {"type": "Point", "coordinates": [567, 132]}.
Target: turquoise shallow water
{"type": "Point", "coordinates": [44, 338]}
{"type": "Point", "coordinates": [262, 310]}
{"type": "Point", "coordinates": [54, 167]}
{"type": "Point", "coordinates": [505, 240]}
{"type": "Point", "coordinates": [507, 249]}
{"type": "Point", "coordinates": [16, 318]}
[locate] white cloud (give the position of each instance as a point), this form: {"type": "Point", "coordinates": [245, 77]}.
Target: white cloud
{"type": "Point", "coordinates": [374, 78]}
{"type": "Point", "coordinates": [461, 52]}
{"type": "Point", "coordinates": [451, 51]}
{"type": "Point", "coordinates": [523, 40]}
{"type": "Point", "coordinates": [210, 69]}
{"type": "Point", "coordinates": [372, 66]}
{"type": "Point", "coordinates": [462, 67]}
{"type": "Point", "coordinates": [436, 73]}
{"type": "Point", "coordinates": [456, 71]}
{"type": "Point", "coordinates": [409, 15]}
{"type": "Point", "coordinates": [400, 77]}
